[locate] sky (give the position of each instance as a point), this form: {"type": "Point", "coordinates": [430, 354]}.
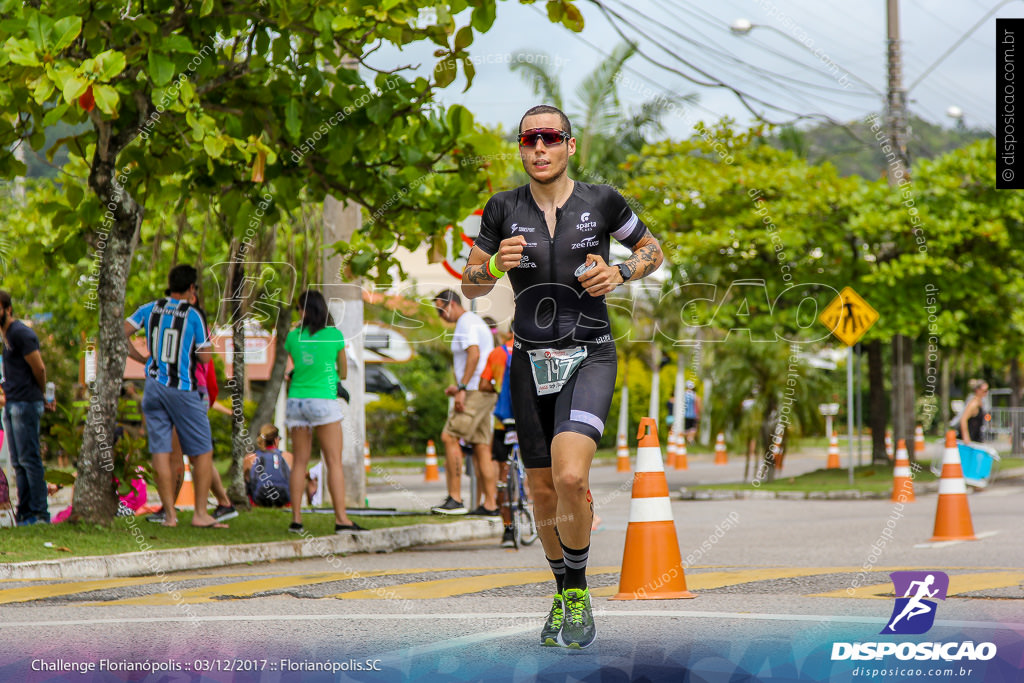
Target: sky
{"type": "Point", "coordinates": [774, 62]}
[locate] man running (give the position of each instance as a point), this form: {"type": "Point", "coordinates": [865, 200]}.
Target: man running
{"type": "Point", "coordinates": [552, 237]}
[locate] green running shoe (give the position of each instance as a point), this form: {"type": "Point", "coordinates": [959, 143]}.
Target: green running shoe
{"type": "Point", "coordinates": [578, 630]}
{"type": "Point", "coordinates": [549, 634]}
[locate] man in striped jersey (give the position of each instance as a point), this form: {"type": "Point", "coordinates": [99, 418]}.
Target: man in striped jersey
{"type": "Point", "coordinates": [177, 339]}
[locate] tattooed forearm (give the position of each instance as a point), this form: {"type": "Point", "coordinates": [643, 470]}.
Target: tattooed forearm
{"type": "Point", "coordinates": [645, 260]}
{"type": "Point", "coordinates": [477, 275]}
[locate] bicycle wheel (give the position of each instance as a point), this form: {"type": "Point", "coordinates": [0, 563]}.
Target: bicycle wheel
{"type": "Point", "coordinates": [512, 500]}
{"type": "Point", "coordinates": [522, 513]}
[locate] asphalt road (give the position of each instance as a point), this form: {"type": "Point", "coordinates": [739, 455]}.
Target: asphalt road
{"type": "Point", "coordinates": [772, 599]}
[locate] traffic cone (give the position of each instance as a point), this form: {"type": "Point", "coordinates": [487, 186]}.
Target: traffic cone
{"type": "Point", "coordinates": [431, 473]}
{"type": "Point", "coordinates": [888, 444]}
{"type": "Point", "coordinates": [670, 459]}
{"type": "Point", "coordinates": [833, 452]}
{"type": "Point", "coordinates": [366, 456]}
{"type": "Point", "coordinates": [681, 463]}
{"type": "Point", "coordinates": [721, 458]}
{"type": "Point", "coordinates": [918, 443]}
{"type": "Point", "coordinates": [952, 516]}
{"type": "Point", "coordinates": [187, 495]}
{"type": "Point", "coordinates": [652, 568]}
{"type": "Point", "coordinates": [902, 482]}
{"type": "Point", "coordinates": [779, 456]}
{"type": "Point", "coordinates": [623, 452]}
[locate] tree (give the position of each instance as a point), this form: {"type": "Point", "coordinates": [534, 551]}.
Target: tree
{"type": "Point", "coordinates": [232, 101]}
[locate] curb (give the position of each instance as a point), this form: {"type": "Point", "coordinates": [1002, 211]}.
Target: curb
{"type": "Point", "coordinates": [181, 559]}
{"type": "Point", "coordinates": [757, 494]}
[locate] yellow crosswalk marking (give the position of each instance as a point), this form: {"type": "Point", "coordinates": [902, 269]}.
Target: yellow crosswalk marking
{"type": "Point", "coordinates": [53, 590]}
{"type": "Point", "coordinates": [709, 580]}
{"type": "Point", "coordinates": [958, 583]}
{"type": "Point", "coordinates": [446, 588]}
{"type": "Point", "coordinates": [244, 589]}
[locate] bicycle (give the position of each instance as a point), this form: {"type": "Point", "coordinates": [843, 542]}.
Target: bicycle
{"type": "Point", "coordinates": [524, 526]}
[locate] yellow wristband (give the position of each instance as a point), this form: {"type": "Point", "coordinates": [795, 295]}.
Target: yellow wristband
{"type": "Point", "coordinates": [493, 269]}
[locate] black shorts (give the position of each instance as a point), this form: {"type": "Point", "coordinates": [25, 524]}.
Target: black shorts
{"type": "Point", "coordinates": [499, 449]}
{"type": "Point", "coordinates": [581, 406]}
{"type": "Point", "coordinates": [689, 423]}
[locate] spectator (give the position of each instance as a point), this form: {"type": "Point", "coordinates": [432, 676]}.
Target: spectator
{"type": "Point", "coordinates": [691, 411]}
{"type": "Point", "coordinates": [177, 338]}
{"type": "Point", "coordinates": [972, 419]}
{"type": "Point", "coordinates": [492, 379]}
{"type": "Point", "coordinates": [318, 352]}
{"type": "Point", "coordinates": [24, 380]}
{"type": "Point", "coordinates": [206, 385]}
{"type": "Point", "coordinates": [470, 417]}
{"type": "Point", "coordinates": [268, 470]}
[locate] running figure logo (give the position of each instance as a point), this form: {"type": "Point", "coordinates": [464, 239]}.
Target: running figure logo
{"type": "Point", "coordinates": [912, 613]}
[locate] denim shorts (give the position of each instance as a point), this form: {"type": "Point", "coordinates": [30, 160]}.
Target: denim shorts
{"type": "Point", "coordinates": [312, 412]}
{"type": "Point", "coordinates": [165, 409]}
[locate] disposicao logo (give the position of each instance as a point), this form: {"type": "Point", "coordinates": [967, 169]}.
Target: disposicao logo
{"type": "Point", "coordinates": [914, 614]}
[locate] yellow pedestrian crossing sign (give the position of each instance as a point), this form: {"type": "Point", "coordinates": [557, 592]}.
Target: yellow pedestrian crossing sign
{"type": "Point", "coordinates": [848, 316]}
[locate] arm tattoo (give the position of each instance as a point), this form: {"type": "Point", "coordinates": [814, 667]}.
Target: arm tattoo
{"type": "Point", "coordinates": [644, 261]}
{"type": "Point", "coordinates": [478, 275]}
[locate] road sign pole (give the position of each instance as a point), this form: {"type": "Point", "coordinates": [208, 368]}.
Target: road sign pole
{"type": "Point", "coordinates": [849, 404]}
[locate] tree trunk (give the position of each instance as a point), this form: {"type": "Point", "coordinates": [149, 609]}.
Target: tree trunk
{"type": "Point", "coordinates": [241, 441]}
{"type": "Point", "coordinates": [95, 500]}
{"type": "Point", "coordinates": [944, 394]}
{"type": "Point", "coordinates": [903, 390]}
{"type": "Point", "coordinates": [876, 401]}
{"type": "Point", "coordinates": [268, 399]}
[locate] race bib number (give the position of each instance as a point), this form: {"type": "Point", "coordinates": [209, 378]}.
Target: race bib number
{"type": "Point", "coordinates": [552, 368]}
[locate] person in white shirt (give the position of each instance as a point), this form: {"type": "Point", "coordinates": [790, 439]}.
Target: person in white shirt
{"type": "Point", "coordinates": [470, 416]}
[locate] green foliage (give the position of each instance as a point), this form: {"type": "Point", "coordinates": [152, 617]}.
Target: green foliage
{"type": "Point", "coordinates": [852, 148]}
{"type": "Point", "coordinates": [220, 429]}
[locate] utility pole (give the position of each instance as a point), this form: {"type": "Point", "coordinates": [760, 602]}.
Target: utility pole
{"type": "Point", "coordinates": [896, 127]}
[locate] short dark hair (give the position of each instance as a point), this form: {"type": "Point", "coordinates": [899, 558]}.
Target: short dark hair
{"type": "Point", "coordinates": [547, 109]}
{"type": "Point", "coordinates": [5, 299]}
{"type": "Point", "coordinates": [181, 278]}
{"type": "Point", "coordinates": [314, 311]}
{"type": "Point", "coordinates": [448, 296]}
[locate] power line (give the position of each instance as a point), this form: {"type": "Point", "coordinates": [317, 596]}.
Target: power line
{"type": "Point", "coordinates": [744, 97]}
{"type": "Point", "coordinates": [754, 67]}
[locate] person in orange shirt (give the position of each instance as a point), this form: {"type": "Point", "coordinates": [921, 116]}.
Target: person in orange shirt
{"type": "Point", "coordinates": [490, 380]}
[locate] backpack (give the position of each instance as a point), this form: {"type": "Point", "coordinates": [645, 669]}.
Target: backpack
{"type": "Point", "coordinates": [268, 479]}
{"type": "Point", "coordinates": [503, 408]}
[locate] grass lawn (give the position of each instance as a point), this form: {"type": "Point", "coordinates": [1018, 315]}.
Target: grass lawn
{"type": "Point", "coordinates": [873, 478]}
{"type": "Point", "coordinates": [259, 525]}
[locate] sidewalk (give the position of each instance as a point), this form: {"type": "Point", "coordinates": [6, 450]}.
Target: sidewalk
{"type": "Point", "coordinates": [182, 559]}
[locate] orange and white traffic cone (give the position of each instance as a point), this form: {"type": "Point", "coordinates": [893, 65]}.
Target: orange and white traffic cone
{"type": "Point", "coordinates": [918, 443]}
{"type": "Point", "coordinates": [681, 463]}
{"type": "Point", "coordinates": [902, 482]}
{"type": "Point", "coordinates": [187, 495]}
{"type": "Point", "coordinates": [622, 464]}
{"type": "Point", "coordinates": [952, 516]}
{"type": "Point", "coordinates": [721, 458]}
{"type": "Point", "coordinates": [652, 567]}
{"type": "Point", "coordinates": [833, 452]}
{"type": "Point", "coordinates": [432, 473]}
{"type": "Point", "coordinates": [670, 453]}
{"type": "Point", "coordinates": [888, 444]}
{"type": "Point", "coordinates": [366, 456]}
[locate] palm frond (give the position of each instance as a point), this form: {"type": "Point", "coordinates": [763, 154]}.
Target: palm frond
{"type": "Point", "coordinates": [531, 68]}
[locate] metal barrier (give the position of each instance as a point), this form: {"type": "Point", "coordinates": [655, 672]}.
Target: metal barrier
{"type": "Point", "coordinates": [1008, 422]}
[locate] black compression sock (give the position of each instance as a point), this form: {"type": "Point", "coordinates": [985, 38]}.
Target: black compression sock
{"type": "Point", "coordinates": [558, 569]}
{"type": "Point", "coordinates": [575, 566]}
